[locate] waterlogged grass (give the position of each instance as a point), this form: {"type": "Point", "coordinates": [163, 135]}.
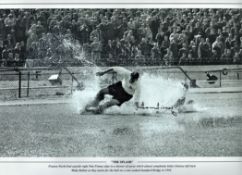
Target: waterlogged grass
{"type": "Point", "coordinates": [56, 130]}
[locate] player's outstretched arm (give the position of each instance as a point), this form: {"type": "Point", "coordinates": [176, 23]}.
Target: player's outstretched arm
{"type": "Point", "coordinates": [118, 70]}
{"type": "Point", "coordinates": [101, 73]}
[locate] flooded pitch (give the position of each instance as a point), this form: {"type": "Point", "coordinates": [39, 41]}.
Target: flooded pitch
{"type": "Point", "coordinates": [58, 130]}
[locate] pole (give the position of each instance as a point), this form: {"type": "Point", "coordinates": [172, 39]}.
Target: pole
{"type": "Point", "coordinates": [220, 79]}
{"type": "Point", "coordinates": [71, 83]}
{"type": "Point", "coordinates": [28, 84]}
{"type": "Point", "coordinates": [19, 84]}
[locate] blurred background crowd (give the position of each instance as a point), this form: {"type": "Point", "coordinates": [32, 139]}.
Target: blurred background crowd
{"type": "Point", "coordinates": [121, 36]}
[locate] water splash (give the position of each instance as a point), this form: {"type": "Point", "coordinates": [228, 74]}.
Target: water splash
{"type": "Point", "coordinates": [154, 89]}
{"type": "Point", "coordinates": [77, 51]}
{"type": "Point", "coordinates": [92, 83]}
{"type": "Point", "coordinates": [81, 98]}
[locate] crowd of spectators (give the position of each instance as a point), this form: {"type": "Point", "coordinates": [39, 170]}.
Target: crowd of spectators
{"type": "Point", "coordinates": [122, 36]}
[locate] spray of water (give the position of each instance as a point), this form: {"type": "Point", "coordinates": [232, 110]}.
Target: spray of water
{"type": "Point", "coordinates": [81, 98]}
{"type": "Point", "coordinates": [157, 89]}
{"type": "Point", "coordinates": [78, 51]}
{"type": "Point", "coordinates": [154, 89]}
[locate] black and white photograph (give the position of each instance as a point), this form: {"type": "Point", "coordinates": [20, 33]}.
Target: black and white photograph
{"type": "Point", "coordinates": [120, 82]}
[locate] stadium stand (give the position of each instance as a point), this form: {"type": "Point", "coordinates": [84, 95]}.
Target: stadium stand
{"type": "Point", "coordinates": [121, 36]}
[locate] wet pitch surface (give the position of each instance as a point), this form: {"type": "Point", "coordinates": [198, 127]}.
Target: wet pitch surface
{"type": "Point", "coordinates": [215, 129]}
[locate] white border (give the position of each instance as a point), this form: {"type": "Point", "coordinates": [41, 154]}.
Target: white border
{"type": "Point", "coordinates": [33, 165]}
{"type": "Point", "coordinates": [40, 166]}
{"type": "Point", "coordinates": [121, 1]}
{"type": "Point", "coordinates": [128, 6]}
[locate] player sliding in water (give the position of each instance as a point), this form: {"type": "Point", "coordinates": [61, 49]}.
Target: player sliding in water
{"type": "Point", "coordinates": [121, 91]}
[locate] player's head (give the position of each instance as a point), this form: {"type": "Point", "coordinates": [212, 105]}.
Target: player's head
{"type": "Point", "coordinates": [134, 76]}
